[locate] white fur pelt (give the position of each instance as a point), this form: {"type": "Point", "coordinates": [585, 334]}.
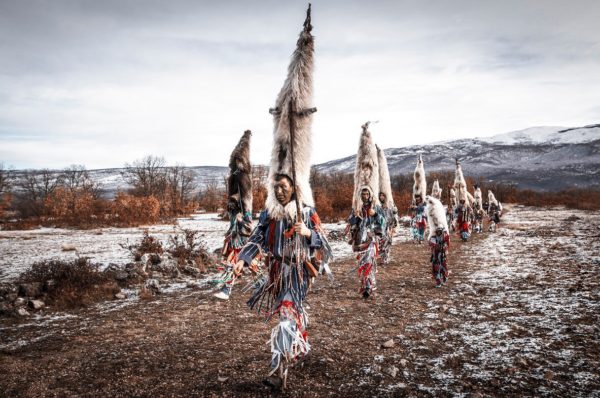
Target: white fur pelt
{"type": "Point", "coordinates": [239, 182]}
{"type": "Point", "coordinates": [492, 198]}
{"type": "Point", "coordinates": [460, 185]}
{"type": "Point", "coordinates": [366, 172]}
{"type": "Point", "coordinates": [436, 215]}
{"type": "Point", "coordinates": [436, 191]}
{"type": "Point", "coordinates": [420, 185]}
{"type": "Point", "coordinates": [471, 198]}
{"type": "Point", "coordinates": [299, 88]}
{"type": "Point", "coordinates": [478, 198]}
{"type": "Point", "coordinates": [453, 201]}
{"type": "Point", "coordinates": [385, 184]}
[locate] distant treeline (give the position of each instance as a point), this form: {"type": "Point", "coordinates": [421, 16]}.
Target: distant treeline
{"type": "Point", "coordinates": [160, 193]}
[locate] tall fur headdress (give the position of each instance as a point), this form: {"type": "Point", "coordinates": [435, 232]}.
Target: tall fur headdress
{"type": "Point", "coordinates": [420, 185]}
{"type": "Point", "coordinates": [385, 184]}
{"type": "Point", "coordinates": [436, 215]}
{"type": "Point", "coordinates": [436, 191]}
{"type": "Point", "coordinates": [460, 185]}
{"type": "Point", "coordinates": [478, 198]}
{"type": "Point", "coordinates": [366, 173]}
{"type": "Point", "coordinates": [492, 198]}
{"type": "Point", "coordinates": [297, 89]}
{"type": "Point", "coordinates": [239, 182]}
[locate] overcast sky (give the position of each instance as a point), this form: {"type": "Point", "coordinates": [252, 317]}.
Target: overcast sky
{"type": "Point", "coordinates": [101, 83]}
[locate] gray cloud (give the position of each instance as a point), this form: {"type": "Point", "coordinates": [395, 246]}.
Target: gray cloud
{"type": "Point", "coordinates": [102, 83]}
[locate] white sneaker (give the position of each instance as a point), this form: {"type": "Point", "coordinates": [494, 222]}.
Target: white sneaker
{"type": "Point", "coordinates": [221, 295]}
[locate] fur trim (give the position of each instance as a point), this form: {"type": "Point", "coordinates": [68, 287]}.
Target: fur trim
{"type": "Point", "coordinates": [436, 191]}
{"type": "Point", "coordinates": [385, 184]}
{"type": "Point", "coordinates": [420, 185]}
{"type": "Point", "coordinates": [239, 182]}
{"type": "Point", "coordinates": [297, 87]}
{"type": "Point", "coordinates": [366, 173]}
{"type": "Point", "coordinates": [436, 215]}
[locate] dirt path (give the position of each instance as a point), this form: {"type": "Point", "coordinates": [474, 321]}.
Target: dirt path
{"type": "Point", "coordinates": [517, 318]}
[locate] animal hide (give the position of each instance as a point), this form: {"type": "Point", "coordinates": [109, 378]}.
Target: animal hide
{"type": "Point", "coordinates": [420, 185]}
{"type": "Point", "coordinates": [385, 184]}
{"type": "Point", "coordinates": [239, 182]}
{"type": "Point", "coordinates": [366, 172]}
{"type": "Point", "coordinates": [478, 198]}
{"type": "Point", "coordinates": [436, 215]}
{"type": "Point", "coordinates": [460, 185]}
{"type": "Point", "coordinates": [453, 201]}
{"type": "Point", "coordinates": [492, 198]}
{"type": "Point", "coordinates": [297, 89]}
{"type": "Point", "coordinates": [436, 191]}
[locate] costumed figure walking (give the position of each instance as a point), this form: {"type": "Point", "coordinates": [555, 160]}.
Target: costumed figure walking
{"type": "Point", "coordinates": [452, 203]}
{"type": "Point", "coordinates": [494, 211]}
{"type": "Point", "coordinates": [463, 211]}
{"type": "Point", "coordinates": [418, 222]}
{"type": "Point", "coordinates": [289, 233]}
{"type": "Point", "coordinates": [239, 209]}
{"type": "Point", "coordinates": [366, 222]}
{"type": "Point", "coordinates": [439, 240]}
{"type": "Point", "coordinates": [390, 212]}
{"type": "Point", "coordinates": [477, 210]}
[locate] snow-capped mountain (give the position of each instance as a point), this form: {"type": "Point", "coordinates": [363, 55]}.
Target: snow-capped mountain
{"type": "Point", "coordinates": [541, 158]}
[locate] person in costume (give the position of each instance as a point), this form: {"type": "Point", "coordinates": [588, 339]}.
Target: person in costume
{"type": "Point", "coordinates": [463, 212]}
{"type": "Point", "coordinates": [439, 240]}
{"type": "Point", "coordinates": [494, 210]}
{"type": "Point", "coordinates": [239, 209]}
{"type": "Point", "coordinates": [366, 222]}
{"type": "Point", "coordinates": [418, 222]}
{"type": "Point", "coordinates": [477, 210]}
{"type": "Point", "coordinates": [390, 212]}
{"type": "Point", "coordinates": [288, 235]}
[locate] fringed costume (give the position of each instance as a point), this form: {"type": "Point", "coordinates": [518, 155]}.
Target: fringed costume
{"type": "Point", "coordinates": [463, 212]}
{"type": "Point", "coordinates": [290, 254]}
{"type": "Point", "coordinates": [282, 292]}
{"type": "Point", "coordinates": [239, 208]}
{"type": "Point", "coordinates": [367, 221]}
{"type": "Point", "coordinates": [477, 210]}
{"type": "Point", "coordinates": [418, 222]}
{"type": "Point", "coordinates": [494, 210]}
{"type": "Point", "coordinates": [439, 240]}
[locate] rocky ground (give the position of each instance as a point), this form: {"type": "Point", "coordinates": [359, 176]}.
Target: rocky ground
{"type": "Point", "coordinates": [518, 317]}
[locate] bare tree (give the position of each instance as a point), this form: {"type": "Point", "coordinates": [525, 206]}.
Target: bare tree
{"type": "Point", "coordinates": [77, 182]}
{"type": "Point", "coordinates": [35, 187]}
{"type": "Point", "coordinates": [147, 176]}
{"type": "Point", "coordinates": [6, 177]}
{"type": "Point", "coordinates": [180, 183]}
{"type": "Point", "coordinates": [211, 196]}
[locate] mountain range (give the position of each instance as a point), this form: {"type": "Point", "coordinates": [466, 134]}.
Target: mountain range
{"type": "Point", "coordinates": [538, 158]}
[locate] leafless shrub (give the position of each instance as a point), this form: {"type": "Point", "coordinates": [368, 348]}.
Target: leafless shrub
{"type": "Point", "coordinates": [69, 284]}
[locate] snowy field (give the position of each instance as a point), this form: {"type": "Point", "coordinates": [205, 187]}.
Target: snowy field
{"type": "Point", "coordinates": [20, 249]}
{"type": "Point", "coordinates": [529, 307]}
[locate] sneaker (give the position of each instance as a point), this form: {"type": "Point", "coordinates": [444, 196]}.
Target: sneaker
{"type": "Point", "coordinates": [366, 294]}
{"type": "Point", "coordinates": [223, 294]}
